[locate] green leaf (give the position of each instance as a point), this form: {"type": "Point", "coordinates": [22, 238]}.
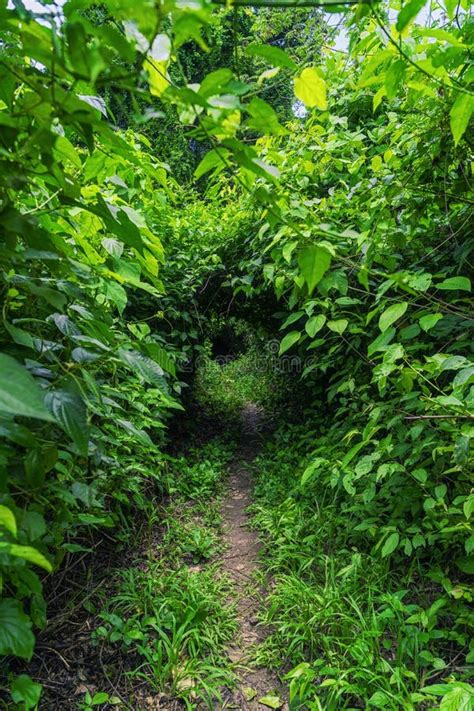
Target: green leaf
{"type": "Point", "coordinates": [437, 689]}
{"type": "Point", "coordinates": [26, 553]}
{"type": "Point", "coordinates": [468, 506]}
{"type": "Point", "coordinates": [116, 293]}
{"type": "Point", "coordinates": [25, 690]}
{"type": "Point", "coordinates": [33, 524]}
{"type": "Point", "coordinates": [16, 636]}
{"type": "Point", "coordinates": [19, 393]}
{"type": "Point", "coordinates": [7, 519]}
{"type": "Point", "coordinates": [310, 88]}
{"type": "Point", "coordinates": [379, 699]}
{"type": "Point", "coordinates": [20, 336]}
{"type": "Point", "coordinates": [460, 115]}
{"type": "Point", "coordinates": [140, 435]}
{"type": "Point", "coordinates": [459, 282]}
{"type": "Point", "coordinates": [408, 12]}
{"type": "Point", "coordinates": [458, 699]}
{"type": "Point", "coordinates": [157, 76]}
{"type": "Point", "coordinates": [289, 340]}
{"type": "Point", "coordinates": [160, 356]}
{"type": "Point", "coordinates": [420, 475]}
{"type": "Point", "coordinates": [429, 321]}
{"type": "Point", "coordinates": [113, 247]}
{"type": "Point", "coordinates": [314, 261]}
{"type": "Point", "coordinates": [392, 314]}
{"type": "Point", "coordinates": [146, 367]}
{"type": "Point", "coordinates": [390, 544]}
{"type": "Point", "coordinates": [249, 693]}
{"type": "Point", "coordinates": [264, 118]}
{"type": "Point", "coordinates": [393, 79]}
{"type": "Point", "coordinates": [464, 376]}
{"type": "Point", "coordinates": [70, 412]}
{"type": "Point", "coordinates": [100, 698]}
{"type": "Point", "coordinates": [271, 701]}
{"type": "Point", "coordinates": [381, 342]}
{"type": "Point", "coordinates": [274, 55]}
{"type": "Point", "coordinates": [338, 326]}
{"type": "Point", "coordinates": [118, 222]}
{"type": "Point", "coordinates": [215, 159]}
{"type": "Point", "coordinates": [315, 324]}
{"type": "Point", "coordinates": [215, 82]}
{"type": "Point", "coordinates": [311, 469]}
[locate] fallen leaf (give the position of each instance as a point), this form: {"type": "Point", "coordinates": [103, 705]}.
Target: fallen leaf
{"type": "Point", "coordinates": [271, 701]}
{"type": "Point", "coordinates": [249, 693]}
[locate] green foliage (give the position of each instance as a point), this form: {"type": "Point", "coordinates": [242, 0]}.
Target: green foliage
{"type": "Point", "coordinates": [172, 621]}
{"type": "Point", "coordinates": [176, 622]}
{"type": "Point", "coordinates": [348, 202]}
{"type": "Point", "coordinates": [364, 614]}
{"type": "Point", "coordinates": [25, 692]}
{"type": "Point", "coordinates": [225, 385]}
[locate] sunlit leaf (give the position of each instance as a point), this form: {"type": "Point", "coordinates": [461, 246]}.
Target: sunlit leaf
{"type": "Point", "coordinates": [289, 340]}
{"type": "Point", "coordinates": [314, 261]}
{"type": "Point", "coordinates": [310, 87]}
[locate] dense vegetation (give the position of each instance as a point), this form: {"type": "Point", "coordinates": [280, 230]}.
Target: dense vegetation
{"type": "Point", "coordinates": [163, 168]}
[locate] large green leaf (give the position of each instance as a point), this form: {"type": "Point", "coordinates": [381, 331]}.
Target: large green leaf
{"type": "Point", "coordinates": [25, 691]}
{"type": "Point", "coordinates": [428, 321]}
{"type": "Point", "coordinates": [146, 367]}
{"type": "Point", "coordinates": [7, 519]}
{"type": "Point", "coordinates": [70, 412]}
{"type": "Point", "coordinates": [408, 12]}
{"type": "Point", "coordinates": [160, 356]}
{"type": "Point", "coordinates": [116, 293]}
{"type": "Point", "coordinates": [338, 326]}
{"type": "Point", "coordinates": [315, 324]}
{"type": "Point", "coordinates": [314, 261]}
{"type": "Point", "coordinates": [140, 435]}
{"type": "Point", "coordinates": [215, 82]}
{"type": "Point", "coordinates": [458, 699]}
{"type": "Point", "coordinates": [460, 115]}
{"type": "Point", "coordinates": [390, 544]}
{"type": "Point", "coordinates": [310, 87]}
{"type": "Point", "coordinates": [32, 555]}
{"type": "Point", "coordinates": [392, 314]}
{"type": "Point", "coordinates": [289, 340]}
{"type": "Point", "coordinates": [216, 159]}
{"type": "Point", "coordinates": [16, 636]}
{"type": "Point", "coordinates": [459, 282]}
{"type": "Point", "coordinates": [271, 701]}
{"type": "Point", "coordinates": [19, 393]}
{"type": "Point", "coordinates": [274, 55]}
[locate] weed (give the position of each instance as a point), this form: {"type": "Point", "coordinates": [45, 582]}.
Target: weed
{"type": "Point", "coordinates": [176, 624]}
{"type": "Point", "coordinates": [351, 631]}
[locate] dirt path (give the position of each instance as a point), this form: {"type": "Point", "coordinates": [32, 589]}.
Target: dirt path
{"type": "Point", "coordinates": [240, 561]}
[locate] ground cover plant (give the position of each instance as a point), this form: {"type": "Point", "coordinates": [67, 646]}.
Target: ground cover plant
{"type": "Point", "coordinates": [169, 167]}
{"type": "Point", "coordinates": [170, 612]}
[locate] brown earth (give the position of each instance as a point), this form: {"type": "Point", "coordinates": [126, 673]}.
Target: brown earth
{"type": "Point", "coordinates": [240, 563]}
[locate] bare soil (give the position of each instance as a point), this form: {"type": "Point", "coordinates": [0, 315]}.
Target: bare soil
{"type": "Point", "coordinates": [240, 563]}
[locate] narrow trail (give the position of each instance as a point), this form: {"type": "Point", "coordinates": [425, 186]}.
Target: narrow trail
{"type": "Point", "coordinates": [240, 562]}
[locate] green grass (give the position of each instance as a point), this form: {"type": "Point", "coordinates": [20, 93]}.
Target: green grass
{"type": "Point", "coordinates": [223, 390]}
{"type": "Point", "coordinates": [175, 623]}
{"type": "Point", "coordinates": [170, 614]}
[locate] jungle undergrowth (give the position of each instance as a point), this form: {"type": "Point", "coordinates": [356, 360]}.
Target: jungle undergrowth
{"type": "Point", "coordinates": [351, 629]}
{"type": "Point", "coordinates": [158, 617]}
{"type": "Point", "coordinates": [169, 613]}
